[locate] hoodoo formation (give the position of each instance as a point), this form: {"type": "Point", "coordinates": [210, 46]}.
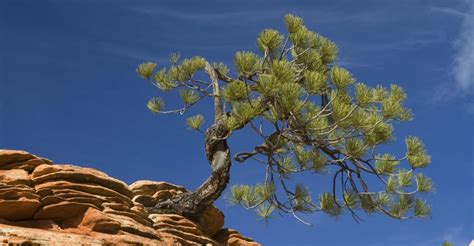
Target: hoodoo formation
{"type": "Point", "coordinates": [42, 203]}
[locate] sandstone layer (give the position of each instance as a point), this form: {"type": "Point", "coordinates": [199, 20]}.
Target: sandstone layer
{"type": "Point", "coordinates": [42, 203]}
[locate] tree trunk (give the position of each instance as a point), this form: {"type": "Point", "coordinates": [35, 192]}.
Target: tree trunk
{"type": "Point", "coordinates": [192, 204]}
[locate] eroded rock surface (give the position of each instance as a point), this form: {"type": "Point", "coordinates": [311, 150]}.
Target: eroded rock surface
{"type": "Point", "coordinates": [42, 203]}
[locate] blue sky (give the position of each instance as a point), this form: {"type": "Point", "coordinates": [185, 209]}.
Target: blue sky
{"type": "Point", "coordinates": [68, 91]}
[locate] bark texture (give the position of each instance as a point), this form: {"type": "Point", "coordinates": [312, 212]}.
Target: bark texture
{"type": "Point", "coordinates": [192, 204]}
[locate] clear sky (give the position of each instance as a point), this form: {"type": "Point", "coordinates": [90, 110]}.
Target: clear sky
{"type": "Point", "coordinates": [69, 91]}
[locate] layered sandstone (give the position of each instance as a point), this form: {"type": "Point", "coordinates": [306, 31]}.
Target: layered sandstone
{"type": "Point", "coordinates": [42, 203]}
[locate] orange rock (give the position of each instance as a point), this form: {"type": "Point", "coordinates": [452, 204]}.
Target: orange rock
{"type": "Point", "coordinates": [49, 187]}
{"type": "Point", "coordinates": [20, 209]}
{"type": "Point", "coordinates": [38, 224]}
{"type": "Point", "coordinates": [211, 221]}
{"type": "Point", "coordinates": [15, 177]}
{"type": "Point", "coordinates": [71, 205]}
{"type": "Point", "coordinates": [17, 202]}
{"type": "Point", "coordinates": [81, 175]}
{"type": "Point", "coordinates": [14, 159]}
{"type": "Point", "coordinates": [149, 188]}
{"type": "Point", "coordinates": [13, 235]}
{"type": "Point", "coordinates": [233, 238]}
{"type": "Point", "coordinates": [163, 195]}
{"type": "Point", "coordinates": [98, 221]}
{"type": "Point", "coordinates": [12, 156]}
{"type": "Point", "coordinates": [61, 211]}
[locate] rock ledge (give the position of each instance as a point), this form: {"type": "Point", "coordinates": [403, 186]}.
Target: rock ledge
{"type": "Point", "coordinates": [42, 203]}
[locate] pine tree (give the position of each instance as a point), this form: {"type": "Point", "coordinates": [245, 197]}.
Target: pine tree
{"type": "Point", "coordinates": [311, 116]}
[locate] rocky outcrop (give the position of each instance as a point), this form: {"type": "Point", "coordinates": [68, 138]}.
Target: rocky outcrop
{"type": "Point", "coordinates": [49, 204]}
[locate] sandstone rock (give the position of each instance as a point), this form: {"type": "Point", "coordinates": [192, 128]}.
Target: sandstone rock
{"type": "Point", "coordinates": [233, 238]}
{"type": "Point", "coordinates": [164, 195]}
{"type": "Point", "coordinates": [15, 192]}
{"type": "Point", "coordinates": [131, 226]}
{"type": "Point", "coordinates": [147, 201]}
{"type": "Point", "coordinates": [48, 200]}
{"type": "Point", "coordinates": [149, 188]}
{"type": "Point", "coordinates": [174, 221]}
{"type": "Point", "coordinates": [44, 204]}
{"type": "Point", "coordinates": [95, 220]}
{"type": "Point", "coordinates": [28, 165]}
{"type": "Point", "coordinates": [13, 235]}
{"type": "Point", "coordinates": [139, 210]}
{"type": "Point", "coordinates": [188, 238]}
{"type": "Point", "coordinates": [46, 173]}
{"type": "Point", "coordinates": [48, 187]}
{"type": "Point", "coordinates": [136, 217]}
{"type": "Point", "coordinates": [12, 156]}
{"type": "Point", "coordinates": [20, 209]}
{"type": "Point", "coordinates": [211, 221]}
{"type": "Point", "coordinates": [17, 202]}
{"type": "Point", "coordinates": [15, 177]}
{"type": "Point", "coordinates": [38, 224]}
{"type": "Point", "coordinates": [15, 159]}
{"type": "Point", "coordinates": [61, 211]}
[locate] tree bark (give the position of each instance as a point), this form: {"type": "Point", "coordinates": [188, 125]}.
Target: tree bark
{"type": "Point", "coordinates": [192, 204]}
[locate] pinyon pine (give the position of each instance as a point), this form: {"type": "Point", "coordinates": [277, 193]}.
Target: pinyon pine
{"type": "Point", "coordinates": [311, 115]}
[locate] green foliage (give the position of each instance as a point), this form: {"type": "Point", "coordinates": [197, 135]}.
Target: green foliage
{"type": "Point", "coordinates": [302, 200]}
{"type": "Point", "coordinates": [221, 68]}
{"type": "Point", "coordinates": [195, 122]}
{"type": "Point", "coordinates": [392, 184]}
{"type": "Point", "coordinates": [293, 23]}
{"type": "Point", "coordinates": [269, 41]}
{"type": "Point", "coordinates": [314, 82]}
{"type": "Point", "coordinates": [265, 210]}
{"type": "Point", "coordinates": [354, 147]}
{"type": "Point", "coordinates": [328, 205]}
{"type": "Point", "coordinates": [311, 116]}
{"type": "Point", "coordinates": [145, 70]}
{"type": "Point", "coordinates": [244, 112]}
{"type": "Point", "coordinates": [423, 183]}
{"type": "Point", "coordinates": [235, 91]}
{"type": "Point", "coordinates": [350, 199]}
{"type": "Point", "coordinates": [188, 96]}
{"type": "Point", "coordinates": [341, 77]}
{"type": "Point", "coordinates": [363, 94]}
{"type": "Point", "coordinates": [163, 81]}
{"type": "Point", "coordinates": [247, 63]}
{"type": "Point", "coordinates": [416, 153]}
{"type": "Point", "coordinates": [405, 178]}
{"type": "Point", "coordinates": [386, 164]}
{"type": "Point", "coordinates": [422, 209]}
{"type": "Point", "coordinates": [155, 105]}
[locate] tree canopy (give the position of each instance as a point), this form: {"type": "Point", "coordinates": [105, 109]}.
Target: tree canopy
{"type": "Point", "coordinates": [311, 116]}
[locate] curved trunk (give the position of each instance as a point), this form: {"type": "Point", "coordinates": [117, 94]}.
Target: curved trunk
{"type": "Point", "coordinates": [192, 204]}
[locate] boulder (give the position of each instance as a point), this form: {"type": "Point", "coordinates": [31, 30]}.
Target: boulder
{"type": "Point", "coordinates": [210, 221]}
